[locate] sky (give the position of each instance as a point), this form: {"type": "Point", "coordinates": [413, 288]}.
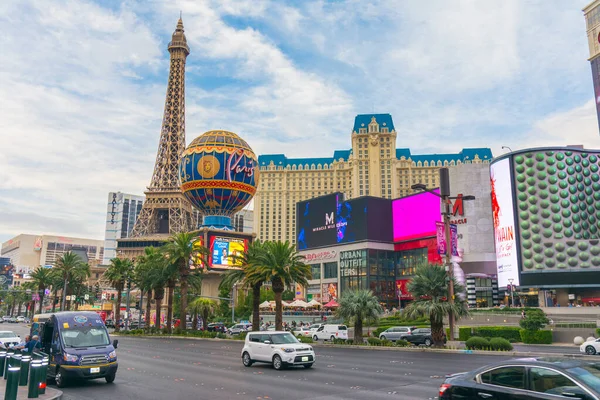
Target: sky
{"type": "Point", "coordinates": [82, 86]}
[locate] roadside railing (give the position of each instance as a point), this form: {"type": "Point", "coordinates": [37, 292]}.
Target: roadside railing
{"type": "Point", "coordinates": [23, 369]}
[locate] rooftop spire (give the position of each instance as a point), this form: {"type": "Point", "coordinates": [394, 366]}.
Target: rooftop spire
{"type": "Point", "coordinates": [178, 40]}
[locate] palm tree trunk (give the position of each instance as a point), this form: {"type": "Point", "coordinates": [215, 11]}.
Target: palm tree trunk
{"type": "Point", "coordinates": [183, 287]}
{"type": "Point", "coordinates": [148, 308]}
{"type": "Point", "coordinates": [158, 296]}
{"type": "Point", "coordinates": [54, 300]}
{"type": "Point", "coordinates": [171, 286]}
{"type": "Point", "coordinates": [256, 306]}
{"type": "Point", "coordinates": [118, 310]}
{"type": "Point", "coordinates": [64, 294]}
{"type": "Point", "coordinates": [195, 322]}
{"type": "Point", "coordinates": [19, 308]}
{"type": "Point", "coordinates": [41, 302]}
{"type": "Point", "coordinates": [31, 308]}
{"type": "Point", "coordinates": [437, 331]}
{"type": "Point", "coordinates": [205, 318]}
{"type": "Point", "coordinates": [358, 330]}
{"type": "Point", "coordinates": [278, 291]}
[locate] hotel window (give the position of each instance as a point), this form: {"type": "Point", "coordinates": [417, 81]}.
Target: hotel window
{"type": "Point", "coordinates": [330, 270]}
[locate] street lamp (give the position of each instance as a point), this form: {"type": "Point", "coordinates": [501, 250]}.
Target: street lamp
{"type": "Point", "coordinates": [506, 147]}
{"type": "Point", "coordinates": [512, 295]}
{"type": "Point", "coordinates": [445, 197]}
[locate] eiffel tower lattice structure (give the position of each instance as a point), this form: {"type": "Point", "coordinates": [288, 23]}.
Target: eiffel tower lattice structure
{"type": "Point", "coordinates": [165, 210]}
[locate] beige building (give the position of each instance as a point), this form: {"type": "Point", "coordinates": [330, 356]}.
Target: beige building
{"type": "Point", "coordinates": [592, 21]}
{"type": "Point", "coordinates": [27, 252]}
{"type": "Point", "coordinates": [373, 166]}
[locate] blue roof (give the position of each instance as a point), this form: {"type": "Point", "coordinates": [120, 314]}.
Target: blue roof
{"type": "Point", "coordinates": [345, 154]}
{"type": "Point", "coordinates": [363, 120]}
{"type": "Point", "coordinates": [403, 153]}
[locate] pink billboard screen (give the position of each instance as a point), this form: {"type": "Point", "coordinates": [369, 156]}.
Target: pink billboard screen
{"type": "Point", "coordinates": [415, 216]}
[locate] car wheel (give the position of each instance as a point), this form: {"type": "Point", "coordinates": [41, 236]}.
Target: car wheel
{"type": "Point", "coordinates": [110, 378]}
{"type": "Point", "coordinates": [315, 338]}
{"type": "Point", "coordinates": [246, 360]}
{"type": "Point", "coordinates": [60, 380]}
{"type": "Point", "coordinates": [332, 338]}
{"type": "Point", "coordinates": [383, 337]}
{"type": "Point", "coordinates": [307, 366]}
{"type": "Point", "coordinates": [427, 342]}
{"type": "Point", "coordinates": [277, 363]}
{"type": "Point", "coordinates": [590, 350]}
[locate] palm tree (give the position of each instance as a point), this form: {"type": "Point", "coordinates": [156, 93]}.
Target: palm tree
{"type": "Point", "coordinates": [57, 282]}
{"type": "Point", "coordinates": [429, 288]}
{"type": "Point", "coordinates": [180, 250]}
{"type": "Point", "coordinates": [42, 279]}
{"type": "Point", "coordinates": [66, 265]}
{"type": "Point", "coordinates": [145, 270]}
{"type": "Point", "coordinates": [246, 276]}
{"type": "Point", "coordinates": [204, 307]}
{"type": "Point", "coordinates": [280, 263]}
{"type": "Point", "coordinates": [359, 306]}
{"type": "Point", "coordinates": [117, 274]}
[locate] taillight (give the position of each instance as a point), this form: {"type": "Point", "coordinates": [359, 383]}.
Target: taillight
{"type": "Point", "coordinates": [443, 388]}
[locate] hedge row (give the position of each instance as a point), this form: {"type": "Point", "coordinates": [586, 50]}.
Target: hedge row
{"type": "Point", "coordinates": [506, 310]}
{"type": "Point", "coordinates": [481, 343]}
{"type": "Point", "coordinates": [510, 333]}
{"type": "Point", "coordinates": [536, 337]}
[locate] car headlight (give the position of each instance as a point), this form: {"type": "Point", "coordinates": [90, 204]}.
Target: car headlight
{"type": "Point", "coordinates": [70, 358]}
{"type": "Point", "coordinates": [112, 354]}
{"type": "Point", "coordinates": [310, 348]}
{"type": "Point", "coordinates": [288, 350]}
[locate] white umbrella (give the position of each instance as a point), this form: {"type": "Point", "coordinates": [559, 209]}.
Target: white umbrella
{"type": "Point", "coordinates": [299, 303]}
{"type": "Point", "coordinates": [313, 303]}
{"type": "Point", "coordinates": [265, 304]}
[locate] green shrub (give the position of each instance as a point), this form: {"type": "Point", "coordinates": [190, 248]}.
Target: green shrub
{"type": "Point", "coordinates": [506, 310]}
{"type": "Point", "coordinates": [242, 335]}
{"type": "Point", "coordinates": [374, 341]}
{"type": "Point", "coordinates": [339, 341]}
{"type": "Point", "coordinates": [597, 331]}
{"type": "Point", "coordinates": [350, 341]}
{"type": "Point", "coordinates": [477, 343]}
{"type": "Point", "coordinates": [534, 320]}
{"type": "Point", "coordinates": [464, 333]}
{"type": "Point", "coordinates": [536, 337]}
{"type": "Point", "coordinates": [500, 344]}
{"type": "Point", "coordinates": [221, 335]}
{"type": "Point", "coordinates": [305, 339]}
{"type": "Point", "coordinates": [402, 343]}
{"type": "Point", "coordinates": [387, 343]}
{"type": "Point", "coordinates": [506, 332]}
{"type": "Point", "coordinates": [575, 325]}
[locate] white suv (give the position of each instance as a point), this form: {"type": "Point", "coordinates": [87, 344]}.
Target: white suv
{"type": "Point", "coordinates": [331, 332]}
{"type": "Point", "coordinates": [281, 349]}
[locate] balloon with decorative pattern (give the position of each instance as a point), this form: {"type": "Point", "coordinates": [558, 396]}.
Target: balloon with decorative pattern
{"type": "Point", "coordinates": [219, 173]}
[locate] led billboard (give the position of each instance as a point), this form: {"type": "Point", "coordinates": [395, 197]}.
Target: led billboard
{"type": "Point", "coordinates": [329, 220]}
{"type": "Point", "coordinates": [503, 216]}
{"type": "Point", "coordinates": [414, 217]}
{"type": "Point", "coordinates": [223, 249]}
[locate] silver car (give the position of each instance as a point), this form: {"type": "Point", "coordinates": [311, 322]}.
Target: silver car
{"type": "Point", "coordinates": [396, 333]}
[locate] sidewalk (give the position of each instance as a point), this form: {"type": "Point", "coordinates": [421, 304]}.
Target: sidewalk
{"type": "Point", "coordinates": [22, 395]}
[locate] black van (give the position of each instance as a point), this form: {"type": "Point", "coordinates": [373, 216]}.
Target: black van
{"type": "Point", "coordinates": [78, 345]}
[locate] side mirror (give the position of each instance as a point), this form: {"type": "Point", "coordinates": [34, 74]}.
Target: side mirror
{"type": "Point", "coordinates": [115, 343]}
{"type": "Point", "coordinates": [267, 342]}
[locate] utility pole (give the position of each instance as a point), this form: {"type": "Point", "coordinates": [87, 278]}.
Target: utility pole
{"type": "Point", "coordinates": [512, 292]}
{"type": "Point", "coordinates": [445, 196]}
{"type": "Point", "coordinates": [127, 305]}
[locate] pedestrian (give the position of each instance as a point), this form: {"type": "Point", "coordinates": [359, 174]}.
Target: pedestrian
{"type": "Point", "coordinates": [22, 345]}
{"type": "Point", "coordinates": [523, 314]}
{"type": "Point", "coordinates": [33, 344]}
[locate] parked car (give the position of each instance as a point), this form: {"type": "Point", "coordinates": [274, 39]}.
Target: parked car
{"type": "Point", "coordinates": [527, 378]}
{"type": "Point", "coordinates": [9, 338]}
{"type": "Point", "coordinates": [12, 320]}
{"type": "Point", "coordinates": [217, 327]}
{"type": "Point", "coordinates": [279, 348]}
{"type": "Point", "coordinates": [331, 332]}
{"type": "Point", "coordinates": [421, 336]}
{"type": "Point", "coordinates": [20, 318]}
{"type": "Point", "coordinates": [6, 318]}
{"type": "Point", "coordinates": [239, 328]}
{"type": "Point", "coordinates": [396, 333]}
{"type": "Point", "coordinates": [590, 347]}
{"type": "Point", "coordinates": [308, 331]}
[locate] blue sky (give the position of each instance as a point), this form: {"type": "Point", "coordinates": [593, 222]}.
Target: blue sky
{"type": "Point", "coordinates": [82, 86]}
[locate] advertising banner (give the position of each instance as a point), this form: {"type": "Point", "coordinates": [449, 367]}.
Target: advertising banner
{"type": "Point", "coordinates": [330, 292]}
{"type": "Point", "coordinates": [415, 217]}
{"type": "Point", "coordinates": [504, 223]}
{"type": "Point", "coordinates": [454, 239]}
{"type": "Point", "coordinates": [224, 249]}
{"type": "Point", "coordinates": [197, 262]}
{"type": "Point", "coordinates": [402, 289]}
{"type": "Point", "coordinates": [441, 237]}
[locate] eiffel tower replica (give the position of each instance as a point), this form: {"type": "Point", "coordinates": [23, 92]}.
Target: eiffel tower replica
{"type": "Point", "coordinates": [165, 210]}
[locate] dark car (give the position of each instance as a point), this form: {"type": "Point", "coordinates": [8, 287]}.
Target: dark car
{"type": "Point", "coordinates": [527, 378]}
{"type": "Point", "coordinates": [421, 336]}
{"type": "Point", "coordinates": [217, 327]}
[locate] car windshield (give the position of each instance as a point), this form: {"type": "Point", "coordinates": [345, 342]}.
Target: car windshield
{"type": "Point", "coordinates": [283, 338]}
{"type": "Point", "coordinates": [7, 334]}
{"type": "Point", "coordinates": [85, 337]}
{"type": "Point", "coordinates": [588, 373]}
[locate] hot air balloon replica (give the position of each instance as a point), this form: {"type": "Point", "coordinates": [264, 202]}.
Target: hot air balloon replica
{"type": "Point", "coordinates": [219, 175]}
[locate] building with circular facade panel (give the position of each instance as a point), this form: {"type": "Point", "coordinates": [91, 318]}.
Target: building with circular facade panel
{"type": "Point", "coordinates": [546, 211]}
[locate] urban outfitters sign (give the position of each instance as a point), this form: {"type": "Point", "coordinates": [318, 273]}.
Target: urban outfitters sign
{"type": "Point", "coordinates": [351, 262]}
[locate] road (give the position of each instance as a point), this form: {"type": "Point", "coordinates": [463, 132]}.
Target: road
{"type": "Point", "coordinates": [156, 368]}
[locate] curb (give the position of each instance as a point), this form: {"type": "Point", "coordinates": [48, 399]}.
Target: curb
{"type": "Point", "coordinates": [382, 348]}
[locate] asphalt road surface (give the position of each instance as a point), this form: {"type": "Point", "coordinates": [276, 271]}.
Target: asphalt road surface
{"type": "Point", "coordinates": [156, 368]}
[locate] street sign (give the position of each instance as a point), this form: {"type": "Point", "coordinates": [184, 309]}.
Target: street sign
{"type": "Point", "coordinates": [87, 297]}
